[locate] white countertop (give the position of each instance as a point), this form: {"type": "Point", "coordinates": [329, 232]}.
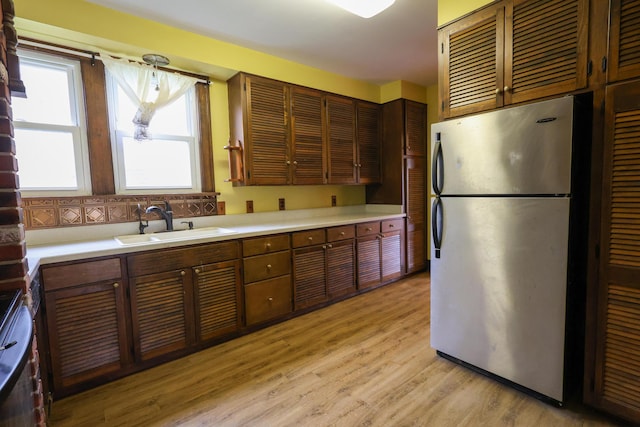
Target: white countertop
{"type": "Point", "coordinates": [74, 243]}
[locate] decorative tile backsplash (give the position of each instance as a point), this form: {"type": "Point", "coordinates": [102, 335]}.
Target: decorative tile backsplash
{"type": "Point", "coordinates": [53, 212]}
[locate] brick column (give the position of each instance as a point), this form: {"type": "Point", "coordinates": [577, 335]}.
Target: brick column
{"type": "Point", "coordinates": [13, 262]}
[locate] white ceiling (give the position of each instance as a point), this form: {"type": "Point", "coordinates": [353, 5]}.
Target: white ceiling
{"type": "Point", "coordinates": [398, 44]}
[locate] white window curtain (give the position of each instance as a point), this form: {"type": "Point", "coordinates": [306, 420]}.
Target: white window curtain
{"type": "Point", "coordinates": [149, 88]}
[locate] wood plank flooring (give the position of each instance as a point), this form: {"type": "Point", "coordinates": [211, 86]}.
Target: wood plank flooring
{"type": "Point", "coordinates": [365, 361]}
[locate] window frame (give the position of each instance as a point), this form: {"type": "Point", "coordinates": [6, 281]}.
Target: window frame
{"type": "Point", "coordinates": [78, 130]}
{"type": "Point", "coordinates": [117, 148]}
{"type": "Point", "coordinates": [98, 128]}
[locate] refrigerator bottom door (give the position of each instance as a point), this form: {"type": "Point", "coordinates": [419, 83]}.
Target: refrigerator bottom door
{"type": "Point", "coordinates": [498, 290]}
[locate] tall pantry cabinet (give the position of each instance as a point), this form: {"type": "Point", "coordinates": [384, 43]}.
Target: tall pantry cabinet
{"type": "Point", "coordinates": [612, 362]}
{"type": "Point", "coordinates": [404, 170]}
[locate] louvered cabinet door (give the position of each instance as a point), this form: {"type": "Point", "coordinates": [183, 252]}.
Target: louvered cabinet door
{"type": "Point", "coordinates": [341, 140]}
{"type": "Point", "coordinates": [470, 63]}
{"type": "Point", "coordinates": [87, 333]}
{"type": "Point", "coordinates": [369, 268]}
{"type": "Point", "coordinates": [546, 47]}
{"type": "Point", "coordinates": [341, 268]}
{"type": "Point", "coordinates": [392, 250]}
{"type": "Point", "coordinates": [307, 159]}
{"type": "Point", "coordinates": [416, 209]}
{"type": "Point", "coordinates": [617, 375]}
{"type": "Point", "coordinates": [415, 128]}
{"type": "Point", "coordinates": [624, 40]}
{"type": "Point", "coordinates": [368, 142]}
{"type": "Point", "coordinates": [217, 299]}
{"type": "Point", "coordinates": [309, 276]}
{"type": "Point", "coordinates": [161, 307]}
{"type": "Point", "coordinates": [267, 144]}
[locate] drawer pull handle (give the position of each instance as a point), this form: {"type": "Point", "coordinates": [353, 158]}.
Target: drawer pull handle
{"type": "Point", "coordinates": [369, 229]}
{"type": "Point", "coordinates": [270, 299]}
{"type": "Point", "coordinates": [268, 266]}
{"type": "Point", "coordinates": [268, 245]}
{"type": "Point", "coordinates": [342, 233]}
{"type": "Point", "coordinates": [310, 238]}
{"type": "Point", "coordinates": [391, 225]}
{"type": "Point", "coordinates": [115, 285]}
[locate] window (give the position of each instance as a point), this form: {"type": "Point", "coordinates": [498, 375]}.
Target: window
{"type": "Point", "coordinates": [67, 148]}
{"type": "Point", "coordinates": [49, 127]}
{"type": "Point", "coordinates": [170, 160]}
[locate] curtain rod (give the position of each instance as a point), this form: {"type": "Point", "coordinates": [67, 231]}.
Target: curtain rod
{"type": "Point", "coordinates": [96, 55]}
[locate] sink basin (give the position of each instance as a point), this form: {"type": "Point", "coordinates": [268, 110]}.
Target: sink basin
{"type": "Point", "coordinates": [167, 236]}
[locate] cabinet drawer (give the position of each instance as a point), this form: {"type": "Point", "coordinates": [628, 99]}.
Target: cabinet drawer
{"type": "Point", "coordinates": [368, 228]}
{"type": "Point", "coordinates": [301, 239]}
{"type": "Point", "coordinates": [390, 225]}
{"type": "Point", "coordinates": [340, 233]}
{"type": "Point", "coordinates": [64, 276]}
{"type": "Point", "coordinates": [266, 266]}
{"type": "Point", "coordinates": [175, 259]}
{"type": "Point", "coordinates": [267, 299]}
{"type": "Point", "coordinates": [265, 245]}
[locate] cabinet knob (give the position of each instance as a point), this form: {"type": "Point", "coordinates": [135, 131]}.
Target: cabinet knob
{"type": "Point", "coordinates": [369, 228]}
{"type": "Point", "coordinates": [498, 91]}
{"type": "Point", "coordinates": [268, 245]}
{"type": "Point", "coordinates": [506, 89]}
{"type": "Point", "coordinates": [115, 285]}
{"type": "Point", "coordinates": [197, 270]}
{"type": "Point", "coordinates": [295, 162]}
{"type": "Point", "coordinates": [342, 233]}
{"type": "Point", "coordinates": [391, 225]}
{"type": "Point", "coordinates": [182, 273]}
{"type": "Point", "coordinates": [310, 238]}
{"type": "Point", "coordinates": [270, 299]}
{"type": "Point", "coordinates": [329, 245]}
{"type": "Point", "coordinates": [268, 266]}
{"type": "Point", "coordinates": [288, 162]}
{"type": "Point", "coordinates": [408, 148]}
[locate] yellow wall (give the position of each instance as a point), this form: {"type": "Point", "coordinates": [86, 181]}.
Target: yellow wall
{"type": "Point", "coordinates": [449, 10]}
{"type": "Point", "coordinates": [78, 23]}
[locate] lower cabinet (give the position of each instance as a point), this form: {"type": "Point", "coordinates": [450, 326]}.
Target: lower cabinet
{"type": "Point", "coordinates": [267, 278]}
{"type": "Point", "coordinates": [86, 323]}
{"type": "Point", "coordinates": [182, 297]}
{"type": "Point", "coordinates": [112, 316]}
{"type": "Point", "coordinates": [380, 252]}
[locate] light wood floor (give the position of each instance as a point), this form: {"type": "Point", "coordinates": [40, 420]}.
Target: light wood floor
{"type": "Point", "coordinates": [363, 362]}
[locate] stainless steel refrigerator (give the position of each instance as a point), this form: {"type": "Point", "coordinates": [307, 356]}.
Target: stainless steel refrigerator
{"type": "Point", "coordinates": [509, 217]}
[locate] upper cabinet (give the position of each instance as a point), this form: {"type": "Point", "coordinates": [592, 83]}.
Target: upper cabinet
{"type": "Point", "coordinates": [287, 134]}
{"type": "Point", "coordinates": [624, 40]}
{"type": "Point", "coordinates": [512, 51]}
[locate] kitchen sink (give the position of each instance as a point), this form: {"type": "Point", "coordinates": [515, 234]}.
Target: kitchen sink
{"type": "Point", "coordinates": [168, 236]}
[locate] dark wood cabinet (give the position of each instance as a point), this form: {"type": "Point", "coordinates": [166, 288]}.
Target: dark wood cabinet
{"type": "Point", "coordinates": [341, 140]}
{"type": "Point", "coordinates": [323, 266]}
{"type": "Point", "coordinates": [612, 376]}
{"type": "Point", "coordinates": [287, 134]}
{"type": "Point", "coordinates": [86, 323]}
{"type": "Point", "coordinates": [404, 147]}
{"type": "Point", "coordinates": [380, 252]}
{"type": "Point", "coordinates": [267, 278]}
{"type": "Point", "coordinates": [183, 297]}
{"type": "Point", "coordinates": [512, 51]}
{"type": "Point", "coordinates": [368, 142]}
{"type": "Point", "coordinates": [624, 40]}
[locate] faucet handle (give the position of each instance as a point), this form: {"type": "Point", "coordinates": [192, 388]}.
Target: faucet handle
{"type": "Point", "coordinates": [167, 206]}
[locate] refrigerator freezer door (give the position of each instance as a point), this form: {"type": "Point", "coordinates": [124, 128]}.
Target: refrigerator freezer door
{"type": "Point", "coordinates": [498, 291]}
{"type": "Point", "coordinates": [520, 150]}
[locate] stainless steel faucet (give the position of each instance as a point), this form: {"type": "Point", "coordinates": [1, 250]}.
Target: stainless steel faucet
{"type": "Point", "coordinates": [166, 214]}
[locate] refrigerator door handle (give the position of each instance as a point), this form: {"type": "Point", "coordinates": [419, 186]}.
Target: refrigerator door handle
{"type": "Point", "coordinates": [436, 225]}
{"type": "Point", "coordinates": [437, 167]}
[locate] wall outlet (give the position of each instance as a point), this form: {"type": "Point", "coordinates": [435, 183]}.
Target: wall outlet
{"type": "Point", "coordinates": [334, 201]}
{"type": "Point", "coordinates": [281, 204]}
{"type": "Point", "coordinates": [220, 208]}
{"type": "Point", "coordinates": [249, 206]}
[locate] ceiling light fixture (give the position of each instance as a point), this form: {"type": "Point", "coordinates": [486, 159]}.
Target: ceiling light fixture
{"type": "Point", "coordinates": [363, 8]}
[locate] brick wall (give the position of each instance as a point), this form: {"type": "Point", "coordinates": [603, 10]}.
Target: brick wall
{"type": "Point", "coordinates": [13, 263]}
